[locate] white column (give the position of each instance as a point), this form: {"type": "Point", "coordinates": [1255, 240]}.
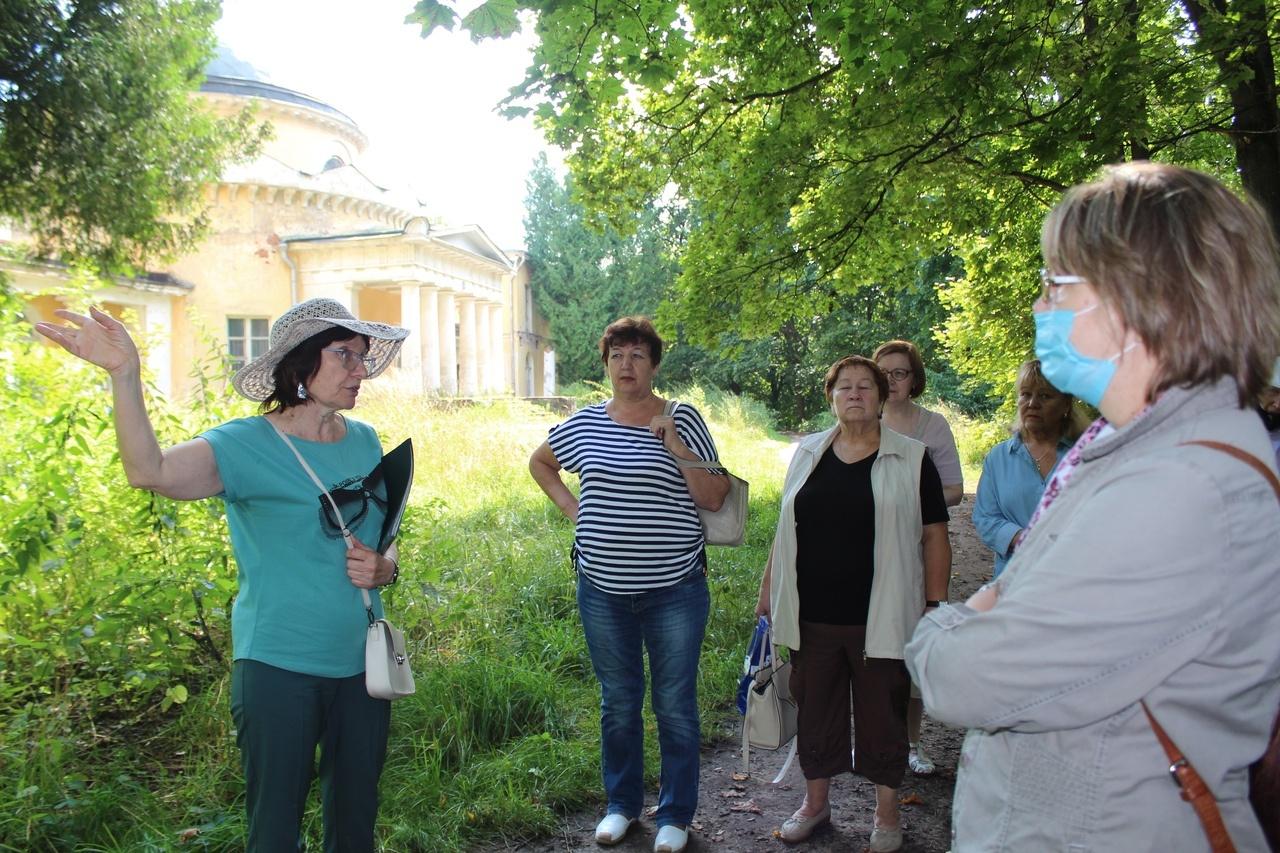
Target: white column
{"type": "Point", "coordinates": [549, 373]}
{"type": "Point", "coordinates": [468, 378]}
{"type": "Point", "coordinates": [411, 353]}
{"type": "Point", "coordinates": [429, 344]}
{"type": "Point", "coordinates": [157, 317]}
{"type": "Point", "coordinates": [344, 292]}
{"type": "Point", "coordinates": [499, 383]}
{"type": "Point", "coordinates": [484, 364]}
{"type": "Point", "coordinates": [448, 343]}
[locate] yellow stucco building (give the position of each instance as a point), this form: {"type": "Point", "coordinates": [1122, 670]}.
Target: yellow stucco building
{"type": "Point", "coordinates": [302, 220]}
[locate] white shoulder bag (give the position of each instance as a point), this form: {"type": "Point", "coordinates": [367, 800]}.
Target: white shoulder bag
{"type": "Point", "coordinates": [728, 524]}
{"type": "Point", "coordinates": [387, 674]}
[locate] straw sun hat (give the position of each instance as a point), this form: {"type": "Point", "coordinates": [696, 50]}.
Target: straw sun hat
{"type": "Point", "coordinates": [300, 322]}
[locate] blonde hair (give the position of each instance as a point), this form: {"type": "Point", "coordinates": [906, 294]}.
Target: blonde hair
{"type": "Point", "coordinates": [1074, 422]}
{"type": "Point", "coordinates": [1189, 266]}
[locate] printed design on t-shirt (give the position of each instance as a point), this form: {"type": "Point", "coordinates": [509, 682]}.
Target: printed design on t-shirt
{"type": "Point", "coordinates": [353, 496]}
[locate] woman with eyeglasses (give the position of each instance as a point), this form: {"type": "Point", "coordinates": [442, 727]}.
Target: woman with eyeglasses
{"type": "Point", "coordinates": [902, 364]}
{"type": "Point", "coordinates": [1015, 471]}
{"type": "Point", "coordinates": [299, 621]}
{"type": "Point", "coordinates": [1140, 605]}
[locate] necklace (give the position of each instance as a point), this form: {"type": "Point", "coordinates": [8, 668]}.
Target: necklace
{"type": "Point", "coordinates": [1040, 459]}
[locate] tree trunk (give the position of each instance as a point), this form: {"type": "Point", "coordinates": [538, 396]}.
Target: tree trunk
{"type": "Point", "coordinates": [1255, 122]}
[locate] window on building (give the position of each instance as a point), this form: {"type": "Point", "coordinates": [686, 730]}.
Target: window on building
{"type": "Point", "coordinates": [246, 339]}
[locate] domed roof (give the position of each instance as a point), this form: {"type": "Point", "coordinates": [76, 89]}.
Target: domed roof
{"type": "Point", "coordinates": [229, 74]}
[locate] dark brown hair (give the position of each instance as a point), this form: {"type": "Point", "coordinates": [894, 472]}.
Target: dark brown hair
{"type": "Point", "coordinates": [299, 365]}
{"type": "Point", "coordinates": [833, 374]}
{"type": "Point", "coordinates": [632, 330]}
{"type": "Point", "coordinates": [913, 355]}
{"type": "Point", "coordinates": [1188, 265]}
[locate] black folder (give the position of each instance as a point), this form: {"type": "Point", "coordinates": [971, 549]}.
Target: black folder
{"type": "Point", "coordinates": [397, 473]}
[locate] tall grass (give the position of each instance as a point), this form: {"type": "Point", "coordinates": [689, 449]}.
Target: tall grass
{"type": "Point", "coordinates": [503, 733]}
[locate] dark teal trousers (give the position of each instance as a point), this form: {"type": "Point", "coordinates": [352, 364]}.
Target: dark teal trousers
{"type": "Point", "coordinates": [281, 717]}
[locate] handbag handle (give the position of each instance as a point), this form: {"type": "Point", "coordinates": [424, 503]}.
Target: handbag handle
{"type": "Point", "coordinates": [667, 410]}
{"type": "Point", "coordinates": [337, 513]}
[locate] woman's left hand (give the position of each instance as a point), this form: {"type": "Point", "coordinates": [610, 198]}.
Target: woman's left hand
{"type": "Point", "coordinates": [367, 568]}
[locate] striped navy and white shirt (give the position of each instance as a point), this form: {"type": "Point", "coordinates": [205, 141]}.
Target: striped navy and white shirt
{"type": "Point", "coordinates": [637, 526]}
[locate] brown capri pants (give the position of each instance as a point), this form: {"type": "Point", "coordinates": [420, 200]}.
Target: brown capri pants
{"type": "Point", "coordinates": [829, 674]}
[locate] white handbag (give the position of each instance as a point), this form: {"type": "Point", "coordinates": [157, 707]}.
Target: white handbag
{"type": "Point", "coordinates": [771, 720]}
{"type": "Point", "coordinates": [386, 663]}
{"type": "Point", "coordinates": [728, 524]}
{"type": "Point", "coordinates": [387, 674]}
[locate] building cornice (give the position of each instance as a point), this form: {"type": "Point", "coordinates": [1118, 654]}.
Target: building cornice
{"type": "Point", "coordinates": [161, 283]}
{"type": "Point", "coordinates": [334, 122]}
{"type": "Point", "coordinates": [319, 199]}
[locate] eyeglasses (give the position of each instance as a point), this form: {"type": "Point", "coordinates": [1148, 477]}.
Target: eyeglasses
{"type": "Point", "coordinates": [898, 375]}
{"type": "Point", "coordinates": [1049, 284]}
{"type": "Point", "coordinates": [350, 358]}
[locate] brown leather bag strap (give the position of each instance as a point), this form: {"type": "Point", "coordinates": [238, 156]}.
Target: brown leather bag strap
{"type": "Point", "coordinates": [1245, 457]}
{"type": "Point", "coordinates": [1194, 790]}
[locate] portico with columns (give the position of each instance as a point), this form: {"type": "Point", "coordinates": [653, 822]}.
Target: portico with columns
{"type": "Point", "coordinates": [304, 218]}
{"type": "Point", "coordinates": [448, 287]}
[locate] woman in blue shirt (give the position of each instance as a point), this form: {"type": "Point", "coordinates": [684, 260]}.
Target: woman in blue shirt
{"type": "Point", "coordinates": [1015, 471]}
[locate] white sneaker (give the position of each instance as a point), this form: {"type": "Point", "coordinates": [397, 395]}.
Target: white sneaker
{"type": "Point", "coordinates": [613, 829]}
{"type": "Point", "coordinates": [671, 839]}
{"type": "Point", "coordinates": [919, 761]}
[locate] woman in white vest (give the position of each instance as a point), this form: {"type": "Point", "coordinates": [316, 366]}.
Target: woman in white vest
{"type": "Point", "coordinates": [860, 552]}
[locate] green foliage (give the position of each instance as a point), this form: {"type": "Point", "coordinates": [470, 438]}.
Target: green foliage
{"type": "Point", "coordinates": [826, 148]}
{"type": "Point", "coordinates": [119, 737]}
{"type": "Point", "coordinates": [587, 273]}
{"type": "Point", "coordinates": [585, 278]}
{"type": "Point", "coordinates": [103, 151]}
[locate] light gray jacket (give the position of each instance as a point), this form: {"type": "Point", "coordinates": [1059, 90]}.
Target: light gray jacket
{"type": "Point", "coordinates": [1155, 575]}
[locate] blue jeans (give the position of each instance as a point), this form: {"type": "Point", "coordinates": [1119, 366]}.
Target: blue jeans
{"type": "Point", "coordinates": [669, 623]}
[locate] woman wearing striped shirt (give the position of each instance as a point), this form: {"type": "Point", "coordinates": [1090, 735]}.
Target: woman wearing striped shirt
{"type": "Point", "coordinates": [641, 564]}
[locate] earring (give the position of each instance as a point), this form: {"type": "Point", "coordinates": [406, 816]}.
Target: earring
{"type": "Point", "coordinates": [302, 391]}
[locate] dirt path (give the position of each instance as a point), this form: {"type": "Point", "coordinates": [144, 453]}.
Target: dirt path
{"type": "Point", "coordinates": [743, 816]}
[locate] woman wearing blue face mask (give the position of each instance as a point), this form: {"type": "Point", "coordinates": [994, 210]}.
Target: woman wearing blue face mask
{"type": "Point", "coordinates": [1143, 595]}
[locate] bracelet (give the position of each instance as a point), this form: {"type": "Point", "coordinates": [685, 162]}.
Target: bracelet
{"type": "Point", "coordinates": [933, 603]}
{"type": "Point", "coordinates": [395, 572]}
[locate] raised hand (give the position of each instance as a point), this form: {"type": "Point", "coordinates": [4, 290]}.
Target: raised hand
{"type": "Point", "coordinates": [98, 339]}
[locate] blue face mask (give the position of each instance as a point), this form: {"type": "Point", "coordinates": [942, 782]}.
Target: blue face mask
{"type": "Point", "coordinates": [1066, 367]}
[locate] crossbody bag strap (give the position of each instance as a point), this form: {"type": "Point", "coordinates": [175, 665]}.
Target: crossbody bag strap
{"type": "Point", "coordinates": [337, 513]}
{"type": "Point", "coordinates": [1244, 456]}
{"type": "Point", "coordinates": [1193, 788]}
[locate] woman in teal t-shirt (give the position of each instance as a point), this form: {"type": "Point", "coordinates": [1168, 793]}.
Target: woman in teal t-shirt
{"type": "Point", "coordinates": [298, 625]}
